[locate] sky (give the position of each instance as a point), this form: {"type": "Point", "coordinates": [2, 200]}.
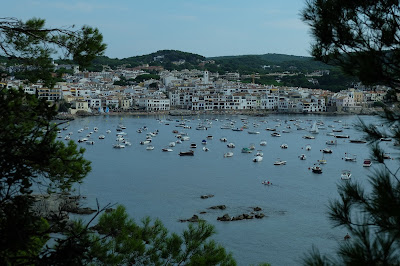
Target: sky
{"type": "Point", "coordinates": [205, 27]}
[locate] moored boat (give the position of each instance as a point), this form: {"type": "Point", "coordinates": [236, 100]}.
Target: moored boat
{"type": "Point", "coordinates": [257, 159]}
{"type": "Point", "coordinates": [230, 145]}
{"type": "Point", "coordinates": [279, 162]}
{"type": "Point", "coordinates": [346, 174]}
{"type": "Point", "coordinates": [316, 169]}
{"type": "Point", "coordinates": [357, 141]}
{"type": "Point", "coordinates": [350, 157]}
{"type": "Point", "coordinates": [186, 153]}
{"type": "Point", "coordinates": [263, 143]}
{"type": "Point", "coordinates": [326, 150]}
{"type": "Point", "coordinates": [246, 150]}
{"type": "Point", "coordinates": [331, 142]}
{"type": "Point", "coordinates": [367, 163]}
{"type": "Point", "coordinates": [228, 154]}
{"type": "Point", "coordinates": [342, 136]}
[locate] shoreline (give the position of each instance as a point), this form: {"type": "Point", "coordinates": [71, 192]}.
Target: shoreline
{"type": "Point", "coordinates": [259, 113]}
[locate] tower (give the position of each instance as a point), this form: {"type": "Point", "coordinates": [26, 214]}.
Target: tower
{"type": "Point", "coordinates": [205, 77]}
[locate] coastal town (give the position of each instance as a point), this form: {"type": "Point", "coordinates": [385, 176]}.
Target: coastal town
{"type": "Point", "coordinates": [189, 91]}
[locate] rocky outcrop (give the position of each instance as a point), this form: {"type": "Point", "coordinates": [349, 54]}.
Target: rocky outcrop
{"type": "Point", "coordinates": [56, 207]}
{"type": "Point", "coordinates": [240, 217]}
{"type": "Point", "coordinates": [224, 218]}
{"type": "Point", "coordinates": [244, 216]}
{"type": "Point", "coordinates": [193, 219]}
{"type": "Point", "coordinates": [218, 207]}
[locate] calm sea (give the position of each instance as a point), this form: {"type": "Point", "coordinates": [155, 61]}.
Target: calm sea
{"type": "Point", "coordinates": [167, 186]}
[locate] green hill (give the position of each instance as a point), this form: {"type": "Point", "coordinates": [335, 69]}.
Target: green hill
{"type": "Point", "coordinates": [269, 67]}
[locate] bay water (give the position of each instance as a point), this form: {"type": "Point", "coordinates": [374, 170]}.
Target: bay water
{"type": "Point", "coordinates": [167, 186]}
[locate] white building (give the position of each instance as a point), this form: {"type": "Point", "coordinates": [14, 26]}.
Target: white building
{"type": "Point", "coordinates": [151, 104]}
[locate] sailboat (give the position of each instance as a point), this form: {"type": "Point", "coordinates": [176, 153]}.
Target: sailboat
{"type": "Point", "coordinates": [323, 160]}
{"type": "Point", "coordinates": [314, 128]}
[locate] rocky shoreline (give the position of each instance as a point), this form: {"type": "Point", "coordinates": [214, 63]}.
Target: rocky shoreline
{"type": "Point", "coordinates": [181, 113]}
{"type": "Point", "coordinates": [57, 207]}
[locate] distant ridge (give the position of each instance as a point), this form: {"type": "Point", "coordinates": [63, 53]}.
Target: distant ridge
{"type": "Point", "coordinates": [270, 57]}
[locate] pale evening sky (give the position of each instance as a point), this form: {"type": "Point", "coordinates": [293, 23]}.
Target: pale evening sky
{"type": "Point", "coordinates": [205, 27]}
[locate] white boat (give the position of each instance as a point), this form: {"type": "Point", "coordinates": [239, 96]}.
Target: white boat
{"type": "Point", "coordinates": [150, 147]}
{"type": "Point", "coordinates": [326, 150]}
{"type": "Point", "coordinates": [275, 134]}
{"type": "Point", "coordinates": [204, 142]}
{"type": "Point", "coordinates": [279, 162]}
{"type": "Point", "coordinates": [82, 140]}
{"type": "Point", "coordinates": [119, 138]}
{"type": "Point", "coordinates": [167, 149]}
{"type": "Point", "coordinates": [90, 142]}
{"type": "Point", "coordinates": [263, 143]}
{"type": "Point", "coordinates": [118, 146]}
{"type": "Point", "coordinates": [171, 144]}
{"type": "Point", "coordinates": [185, 138]}
{"type": "Point", "coordinates": [342, 136]}
{"type": "Point", "coordinates": [316, 169]}
{"type": "Point", "coordinates": [223, 139]}
{"type": "Point", "coordinates": [108, 131]}
{"type": "Point", "coordinates": [231, 145]}
{"type": "Point", "coordinates": [346, 174]}
{"type": "Point", "coordinates": [147, 141]}
{"type": "Point", "coordinates": [205, 149]}
{"type": "Point", "coordinates": [303, 157]}
{"type": "Point", "coordinates": [308, 147]}
{"type": "Point", "coordinates": [257, 159]}
{"type": "Point", "coordinates": [209, 137]}
{"type": "Point", "coordinates": [253, 132]}
{"type": "Point", "coordinates": [228, 154]}
{"type": "Point", "coordinates": [367, 163]}
{"type": "Point", "coordinates": [284, 146]}
{"type": "Point", "coordinates": [314, 128]}
{"type": "Point", "coordinates": [252, 146]}
{"type": "Point", "coordinates": [226, 127]}
{"type": "Point", "coordinates": [67, 137]}
{"type": "Point", "coordinates": [308, 137]}
{"type": "Point", "coordinates": [126, 143]}
{"type": "Point", "coordinates": [102, 137]}
{"type": "Point", "coordinates": [350, 157]}
{"type": "Point", "coordinates": [259, 153]}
